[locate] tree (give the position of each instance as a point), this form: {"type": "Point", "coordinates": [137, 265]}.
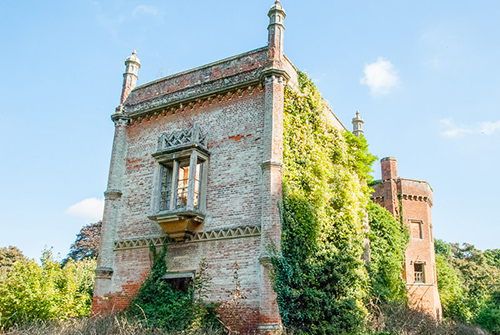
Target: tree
{"type": "Point", "coordinates": [9, 256]}
{"type": "Point", "coordinates": [86, 244]}
{"type": "Point", "coordinates": [451, 290]}
{"type": "Point", "coordinates": [493, 257]}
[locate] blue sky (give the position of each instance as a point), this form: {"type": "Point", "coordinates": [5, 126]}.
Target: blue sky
{"type": "Point", "coordinates": [424, 76]}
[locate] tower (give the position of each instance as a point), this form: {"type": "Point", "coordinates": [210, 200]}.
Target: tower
{"type": "Point", "coordinates": [410, 201]}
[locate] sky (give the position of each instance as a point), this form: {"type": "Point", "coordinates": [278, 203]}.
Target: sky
{"type": "Point", "coordinates": [423, 74]}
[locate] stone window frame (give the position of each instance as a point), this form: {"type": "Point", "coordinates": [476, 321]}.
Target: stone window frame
{"type": "Point", "coordinates": [184, 147]}
{"type": "Point", "coordinates": [421, 228]}
{"type": "Point", "coordinates": [419, 276]}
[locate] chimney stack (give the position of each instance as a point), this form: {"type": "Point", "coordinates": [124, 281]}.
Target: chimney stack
{"type": "Point", "coordinates": [389, 168]}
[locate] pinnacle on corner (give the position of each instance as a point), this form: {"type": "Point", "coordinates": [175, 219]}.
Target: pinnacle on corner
{"type": "Point", "coordinates": [357, 125]}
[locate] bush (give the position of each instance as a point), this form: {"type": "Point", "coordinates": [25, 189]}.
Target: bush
{"type": "Point", "coordinates": [43, 292]}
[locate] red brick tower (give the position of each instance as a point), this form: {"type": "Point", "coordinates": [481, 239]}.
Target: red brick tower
{"type": "Point", "coordinates": [410, 200]}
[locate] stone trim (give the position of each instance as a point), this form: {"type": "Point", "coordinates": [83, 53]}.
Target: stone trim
{"type": "Point", "coordinates": [103, 273]}
{"type": "Point", "coordinates": [189, 103]}
{"type": "Point", "coordinates": [216, 234]}
{"type": "Point", "coordinates": [188, 94]}
{"type": "Point", "coordinates": [112, 194]}
{"type": "Point", "coordinates": [269, 163]}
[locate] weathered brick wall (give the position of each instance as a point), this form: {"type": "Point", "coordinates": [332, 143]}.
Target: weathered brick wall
{"type": "Point", "coordinates": [234, 128]}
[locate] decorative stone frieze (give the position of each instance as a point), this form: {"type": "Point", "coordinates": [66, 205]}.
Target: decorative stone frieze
{"type": "Point", "coordinates": [177, 140]}
{"type": "Point", "coordinates": [216, 234]}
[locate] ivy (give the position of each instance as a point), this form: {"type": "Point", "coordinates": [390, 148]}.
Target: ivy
{"type": "Point", "coordinates": [162, 306]}
{"type": "Point", "coordinates": [388, 241]}
{"type": "Point", "coordinates": [320, 278]}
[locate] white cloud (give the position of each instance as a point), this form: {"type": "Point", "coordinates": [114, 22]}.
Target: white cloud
{"type": "Point", "coordinates": [148, 10]}
{"type": "Point", "coordinates": [380, 76]}
{"type": "Point", "coordinates": [91, 208]}
{"type": "Point", "coordinates": [454, 130]}
{"type": "Point", "coordinates": [489, 128]}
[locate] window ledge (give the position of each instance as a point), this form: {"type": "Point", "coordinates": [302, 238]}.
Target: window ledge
{"type": "Point", "coordinates": [179, 224]}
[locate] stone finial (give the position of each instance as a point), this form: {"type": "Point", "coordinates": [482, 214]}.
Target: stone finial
{"type": "Point", "coordinates": [357, 124]}
{"type": "Point", "coordinates": [132, 66]}
{"type": "Point", "coordinates": [276, 31]}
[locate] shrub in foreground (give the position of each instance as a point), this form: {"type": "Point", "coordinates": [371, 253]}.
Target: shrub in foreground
{"type": "Point", "coordinates": [42, 292]}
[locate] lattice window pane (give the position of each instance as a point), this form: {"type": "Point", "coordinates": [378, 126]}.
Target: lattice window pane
{"type": "Point", "coordinates": [166, 188]}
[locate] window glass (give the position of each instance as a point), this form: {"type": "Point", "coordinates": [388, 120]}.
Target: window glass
{"type": "Point", "coordinates": [197, 185]}
{"type": "Point", "coordinates": [182, 185]}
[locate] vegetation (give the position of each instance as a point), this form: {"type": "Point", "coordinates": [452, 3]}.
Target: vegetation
{"type": "Point", "coordinates": [320, 278]}
{"type": "Point", "coordinates": [9, 256]}
{"type": "Point", "coordinates": [173, 309]}
{"type": "Point", "coordinates": [86, 245]}
{"type": "Point", "coordinates": [388, 242]}
{"type": "Point", "coordinates": [469, 284]}
{"type": "Point", "coordinates": [43, 292]}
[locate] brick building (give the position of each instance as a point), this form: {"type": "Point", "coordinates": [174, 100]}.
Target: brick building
{"type": "Point", "coordinates": [410, 200]}
{"type": "Point", "coordinates": [197, 159]}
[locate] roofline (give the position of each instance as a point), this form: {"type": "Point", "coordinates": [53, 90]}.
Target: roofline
{"type": "Point", "coordinates": [200, 68]}
{"type": "Point", "coordinates": [399, 178]}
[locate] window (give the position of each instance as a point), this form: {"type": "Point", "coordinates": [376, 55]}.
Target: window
{"type": "Point", "coordinates": [419, 272]}
{"type": "Point", "coordinates": [175, 184]}
{"type": "Point", "coordinates": [416, 229]}
{"type": "Point", "coordinates": [179, 184]}
{"type": "Point", "coordinates": [180, 280]}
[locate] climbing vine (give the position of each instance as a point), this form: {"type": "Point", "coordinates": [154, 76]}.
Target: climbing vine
{"type": "Point", "coordinates": [163, 306]}
{"type": "Point", "coordinates": [320, 278]}
{"type": "Point", "coordinates": [388, 241]}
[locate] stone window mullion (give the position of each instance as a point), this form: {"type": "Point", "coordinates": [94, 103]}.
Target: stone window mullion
{"type": "Point", "coordinates": [175, 177]}
{"type": "Point", "coordinates": [193, 161]}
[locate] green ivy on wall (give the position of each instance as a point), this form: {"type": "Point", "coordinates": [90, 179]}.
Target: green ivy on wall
{"type": "Point", "coordinates": [320, 278]}
{"type": "Point", "coordinates": [388, 241]}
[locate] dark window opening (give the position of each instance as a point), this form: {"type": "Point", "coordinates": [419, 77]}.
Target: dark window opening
{"type": "Point", "coordinates": [180, 284]}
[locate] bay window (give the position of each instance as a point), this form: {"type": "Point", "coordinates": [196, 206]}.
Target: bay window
{"type": "Point", "coordinates": [178, 198]}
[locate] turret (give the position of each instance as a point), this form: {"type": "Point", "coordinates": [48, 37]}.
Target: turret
{"type": "Point", "coordinates": [357, 124]}
{"type": "Point", "coordinates": [276, 31]}
{"type": "Point", "coordinates": [132, 66]}
{"type": "Point", "coordinates": [389, 168]}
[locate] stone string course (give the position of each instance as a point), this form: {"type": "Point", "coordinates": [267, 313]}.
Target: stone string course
{"type": "Point", "coordinates": [216, 234]}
